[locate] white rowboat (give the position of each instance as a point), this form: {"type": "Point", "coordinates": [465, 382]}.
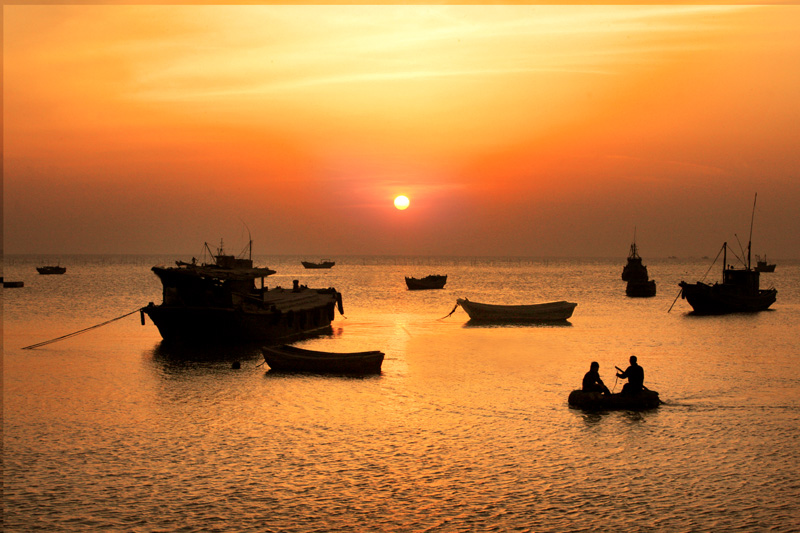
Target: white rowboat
{"type": "Point", "coordinates": [545, 312]}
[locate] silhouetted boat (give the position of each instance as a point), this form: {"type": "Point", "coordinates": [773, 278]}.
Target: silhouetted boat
{"type": "Point", "coordinates": [13, 284]}
{"type": "Point", "coordinates": [763, 266]}
{"type": "Point", "coordinates": [640, 289]}
{"type": "Point", "coordinates": [51, 270]}
{"type": "Point", "coordinates": [544, 312]}
{"type": "Point", "coordinates": [428, 282]}
{"type": "Point", "coordinates": [634, 269]}
{"type": "Point", "coordinates": [219, 302]}
{"type": "Point", "coordinates": [291, 359]}
{"type": "Point", "coordinates": [322, 264]}
{"type": "Point", "coordinates": [738, 292]}
{"type": "Point", "coordinates": [596, 401]}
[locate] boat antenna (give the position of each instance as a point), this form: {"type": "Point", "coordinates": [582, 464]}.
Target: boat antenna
{"type": "Point", "coordinates": [741, 248]}
{"type": "Point", "coordinates": [750, 240]}
{"type": "Point", "coordinates": [249, 246]}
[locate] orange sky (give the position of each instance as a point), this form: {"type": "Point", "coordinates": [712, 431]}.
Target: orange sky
{"type": "Point", "coordinates": [514, 130]}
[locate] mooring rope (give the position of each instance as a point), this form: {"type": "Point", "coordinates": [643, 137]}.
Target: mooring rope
{"type": "Point", "coordinates": [68, 335]}
{"type": "Point", "coordinates": [701, 279]}
{"type": "Point", "coordinates": [451, 312]}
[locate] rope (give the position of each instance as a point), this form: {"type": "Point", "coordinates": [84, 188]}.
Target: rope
{"type": "Point", "coordinates": [37, 345]}
{"type": "Point", "coordinates": [701, 279]}
{"type": "Point", "coordinates": [451, 312]}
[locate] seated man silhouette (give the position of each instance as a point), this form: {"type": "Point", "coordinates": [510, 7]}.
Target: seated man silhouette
{"type": "Point", "coordinates": [635, 375]}
{"type": "Point", "coordinates": [592, 381]}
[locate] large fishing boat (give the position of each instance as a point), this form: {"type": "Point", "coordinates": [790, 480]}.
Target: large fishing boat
{"type": "Point", "coordinates": [738, 292]}
{"type": "Point", "coordinates": [219, 301]}
{"type": "Point", "coordinates": [634, 270]}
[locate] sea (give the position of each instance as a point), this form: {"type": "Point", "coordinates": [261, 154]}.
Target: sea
{"type": "Point", "coordinates": [467, 428]}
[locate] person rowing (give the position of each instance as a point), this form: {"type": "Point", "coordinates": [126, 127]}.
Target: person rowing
{"type": "Point", "coordinates": [635, 375]}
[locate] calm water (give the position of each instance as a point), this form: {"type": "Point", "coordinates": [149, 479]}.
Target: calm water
{"type": "Point", "coordinates": [466, 429]}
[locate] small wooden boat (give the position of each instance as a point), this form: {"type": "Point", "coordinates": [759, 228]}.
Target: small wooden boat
{"type": "Point", "coordinates": [640, 289]}
{"type": "Point", "coordinates": [597, 401]}
{"type": "Point", "coordinates": [545, 312]}
{"type": "Point", "coordinates": [322, 264]}
{"type": "Point", "coordinates": [428, 282]}
{"type": "Point", "coordinates": [49, 270]}
{"type": "Point", "coordinates": [291, 359]}
{"type": "Point", "coordinates": [13, 284]}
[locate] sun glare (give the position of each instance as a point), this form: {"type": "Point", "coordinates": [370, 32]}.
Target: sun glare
{"type": "Point", "coordinates": [401, 202]}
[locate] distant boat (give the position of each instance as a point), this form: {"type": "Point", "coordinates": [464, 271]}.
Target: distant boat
{"type": "Point", "coordinates": [291, 359]}
{"type": "Point", "coordinates": [219, 302]}
{"type": "Point", "coordinates": [322, 264]}
{"type": "Point", "coordinates": [596, 401]}
{"type": "Point", "coordinates": [641, 289]}
{"type": "Point", "coordinates": [763, 266]}
{"type": "Point", "coordinates": [738, 292]}
{"type": "Point", "coordinates": [544, 312]}
{"type": "Point", "coordinates": [46, 270]}
{"type": "Point", "coordinates": [433, 281]}
{"type": "Point", "coordinates": [12, 284]}
{"type": "Point", "coordinates": [634, 269]}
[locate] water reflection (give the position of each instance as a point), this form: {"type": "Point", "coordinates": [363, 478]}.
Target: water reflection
{"type": "Point", "coordinates": [174, 352]}
{"type": "Point", "coordinates": [172, 359]}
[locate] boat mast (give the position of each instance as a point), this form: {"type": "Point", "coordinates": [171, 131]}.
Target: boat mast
{"type": "Point", "coordinates": [750, 240]}
{"type": "Point", "coordinates": [724, 259]}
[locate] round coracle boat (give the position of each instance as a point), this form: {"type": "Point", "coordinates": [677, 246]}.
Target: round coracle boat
{"type": "Point", "coordinates": [597, 401]}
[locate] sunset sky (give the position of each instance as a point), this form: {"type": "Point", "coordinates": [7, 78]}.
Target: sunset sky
{"type": "Point", "coordinates": [513, 130]}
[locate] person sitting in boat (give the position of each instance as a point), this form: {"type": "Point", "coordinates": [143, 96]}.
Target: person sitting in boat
{"type": "Point", "coordinates": [635, 375]}
{"type": "Point", "coordinates": [592, 381]}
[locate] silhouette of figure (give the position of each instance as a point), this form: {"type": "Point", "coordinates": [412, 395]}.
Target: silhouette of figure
{"type": "Point", "coordinates": [592, 381]}
{"type": "Point", "coordinates": [635, 375]}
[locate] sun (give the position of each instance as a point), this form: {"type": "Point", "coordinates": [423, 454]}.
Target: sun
{"type": "Point", "coordinates": [401, 202]}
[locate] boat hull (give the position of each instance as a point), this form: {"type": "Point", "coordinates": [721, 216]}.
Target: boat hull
{"type": "Point", "coordinates": [324, 264]}
{"type": "Point", "coordinates": [641, 289]}
{"type": "Point", "coordinates": [426, 283]}
{"type": "Point", "coordinates": [720, 299]}
{"type": "Point", "coordinates": [545, 312]}
{"type": "Point", "coordinates": [291, 359]}
{"type": "Point", "coordinates": [51, 270]}
{"type": "Point", "coordinates": [243, 324]}
{"type": "Point", "coordinates": [596, 401]}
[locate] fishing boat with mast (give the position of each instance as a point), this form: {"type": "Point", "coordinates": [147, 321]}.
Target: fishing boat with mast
{"type": "Point", "coordinates": [218, 301]}
{"type": "Point", "coordinates": [635, 273]}
{"type": "Point", "coordinates": [762, 265]}
{"type": "Point", "coordinates": [739, 290]}
{"type": "Point", "coordinates": [634, 269]}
